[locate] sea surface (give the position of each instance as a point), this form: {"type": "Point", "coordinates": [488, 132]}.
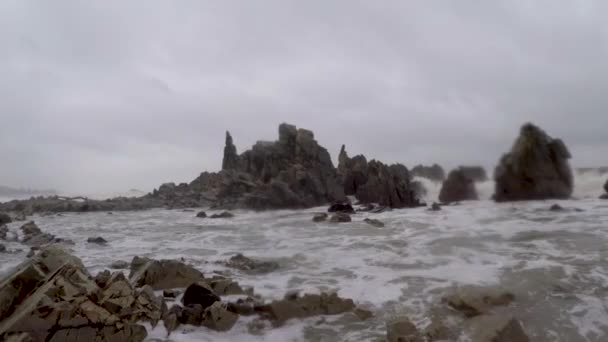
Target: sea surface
{"type": "Point", "coordinates": [556, 263]}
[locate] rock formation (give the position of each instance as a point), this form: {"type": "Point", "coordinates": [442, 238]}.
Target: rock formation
{"type": "Point", "coordinates": [375, 182]}
{"type": "Point", "coordinates": [605, 196]}
{"type": "Point", "coordinates": [536, 168]}
{"type": "Point", "coordinates": [231, 158]}
{"type": "Point", "coordinates": [457, 187]}
{"type": "Point", "coordinates": [475, 173]}
{"type": "Point", "coordinates": [434, 172]}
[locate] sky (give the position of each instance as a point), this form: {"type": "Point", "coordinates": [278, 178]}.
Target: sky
{"type": "Point", "coordinates": [106, 96]}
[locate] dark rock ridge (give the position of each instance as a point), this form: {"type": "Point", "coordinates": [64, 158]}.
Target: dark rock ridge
{"type": "Point", "coordinates": [375, 182]}
{"type": "Point", "coordinates": [475, 173]}
{"type": "Point", "coordinates": [434, 172]}
{"type": "Point", "coordinates": [536, 168]}
{"type": "Point", "coordinates": [458, 187]}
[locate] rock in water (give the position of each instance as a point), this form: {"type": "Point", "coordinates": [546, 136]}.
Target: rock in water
{"type": "Point", "coordinates": [342, 208]}
{"type": "Point", "coordinates": [457, 187]}
{"type": "Point", "coordinates": [162, 274]}
{"type": "Point", "coordinates": [536, 168]}
{"type": "Point", "coordinates": [340, 218]}
{"type": "Point", "coordinates": [224, 214]}
{"type": "Point", "coordinates": [605, 196]}
{"type": "Point", "coordinates": [374, 222]}
{"type": "Point", "coordinates": [201, 214]}
{"type": "Point", "coordinates": [5, 218]}
{"type": "Point", "coordinates": [4, 231]}
{"type": "Point", "coordinates": [435, 207]}
{"type": "Point", "coordinates": [244, 263]}
{"type": "Point", "coordinates": [498, 329]}
{"type": "Point", "coordinates": [401, 329]}
{"type": "Point", "coordinates": [606, 186]}
{"type": "Point", "coordinates": [97, 240]}
{"type": "Point", "coordinates": [320, 217]}
{"type": "Point", "coordinates": [474, 301]}
{"type": "Point", "coordinates": [200, 293]}
{"type": "Point", "coordinates": [309, 305]}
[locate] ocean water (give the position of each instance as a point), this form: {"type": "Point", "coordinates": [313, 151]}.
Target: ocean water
{"type": "Point", "coordinates": [556, 263]}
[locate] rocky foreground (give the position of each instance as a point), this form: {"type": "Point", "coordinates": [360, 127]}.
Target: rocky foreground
{"type": "Point", "coordinates": [52, 297]}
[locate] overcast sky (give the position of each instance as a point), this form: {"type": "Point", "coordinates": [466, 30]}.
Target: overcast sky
{"type": "Point", "coordinates": [104, 96]}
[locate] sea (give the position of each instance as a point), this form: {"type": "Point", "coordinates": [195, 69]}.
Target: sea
{"type": "Point", "coordinates": [555, 263]}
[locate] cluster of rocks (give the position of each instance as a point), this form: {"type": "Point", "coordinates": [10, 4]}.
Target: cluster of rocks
{"type": "Point", "coordinates": [459, 186]}
{"type": "Point", "coordinates": [536, 168]}
{"type": "Point", "coordinates": [434, 172]}
{"type": "Point", "coordinates": [52, 297]}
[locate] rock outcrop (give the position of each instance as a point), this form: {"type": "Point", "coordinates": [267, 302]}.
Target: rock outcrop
{"type": "Point", "coordinates": [162, 274]}
{"type": "Point", "coordinates": [434, 172]}
{"type": "Point", "coordinates": [536, 168]}
{"type": "Point", "coordinates": [457, 187]}
{"type": "Point", "coordinates": [475, 173]}
{"type": "Point", "coordinates": [375, 182]}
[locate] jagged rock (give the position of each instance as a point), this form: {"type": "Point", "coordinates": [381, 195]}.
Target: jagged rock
{"type": "Point", "coordinates": [435, 207]}
{"type": "Point", "coordinates": [475, 173]}
{"type": "Point", "coordinates": [498, 329]}
{"type": "Point", "coordinates": [340, 218]}
{"type": "Point", "coordinates": [474, 301]}
{"type": "Point", "coordinates": [401, 329]}
{"type": "Point", "coordinates": [536, 168]}
{"type": "Point", "coordinates": [103, 278]}
{"type": "Point", "coordinates": [244, 263]}
{"type": "Point", "coordinates": [30, 229]}
{"type": "Point", "coordinates": [97, 240]}
{"type": "Point", "coordinates": [201, 214]}
{"type": "Point", "coordinates": [200, 293]}
{"type": "Point", "coordinates": [218, 318]}
{"type": "Point", "coordinates": [457, 187]}
{"type": "Point", "coordinates": [556, 207]}
{"type": "Point", "coordinates": [321, 217]}
{"type": "Point", "coordinates": [162, 274]}
{"type": "Point", "coordinates": [309, 305]}
{"type": "Point", "coordinates": [171, 319]}
{"type": "Point", "coordinates": [341, 208]}
{"type": "Point", "coordinates": [119, 265]}
{"type": "Point", "coordinates": [434, 172]}
{"type": "Point", "coordinates": [170, 293]}
{"type": "Point", "coordinates": [374, 222]}
{"type": "Point", "coordinates": [352, 171]}
{"type": "Point", "coordinates": [3, 232]}
{"type": "Point", "coordinates": [225, 287]}
{"type": "Point", "coordinates": [231, 158]}
{"type": "Point", "coordinates": [224, 214]}
{"type": "Point", "coordinates": [5, 218]}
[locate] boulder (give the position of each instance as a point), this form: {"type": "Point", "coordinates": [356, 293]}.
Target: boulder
{"type": "Point", "coordinates": [201, 214]}
{"type": "Point", "coordinates": [457, 187]}
{"type": "Point", "coordinates": [434, 172]}
{"type": "Point", "coordinates": [2, 248]}
{"type": "Point", "coordinates": [606, 186]}
{"type": "Point", "coordinates": [309, 305]}
{"type": "Point", "coordinates": [556, 207]}
{"type": "Point", "coordinates": [223, 214]}
{"type": "Point", "coordinates": [103, 278]}
{"type": "Point", "coordinates": [435, 207]}
{"type": "Point", "coordinates": [218, 318]}
{"type": "Point", "coordinates": [475, 173]}
{"type": "Point", "coordinates": [401, 329]}
{"type": "Point", "coordinates": [605, 196]}
{"type": "Point", "coordinates": [225, 287]}
{"type": "Point", "coordinates": [30, 229]}
{"type": "Point", "coordinates": [341, 208]}
{"type": "Point", "coordinates": [4, 231]}
{"type": "Point", "coordinates": [497, 328]}
{"type": "Point", "coordinates": [340, 218]}
{"type": "Point", "coordinates": [320, 217]}
{"type": "Point", "coordinates": [200, 293]}
{"type": "Point", "coordinates": [170, 293]}
{"type": "Point", "coordinates": [97, 240]}
{"type": "Point", "coordinates": [244, 263]}
{"type": "Point", "coordinates": [474, 301]}
{"type": "Point", "coordinates": [536, 168]}
{"type": "Point", "coordinates": [374, 222]}
{"type": "Point", "coordinates": [5, 218]}
{"type": "Point", "coordinates": [162, 274]}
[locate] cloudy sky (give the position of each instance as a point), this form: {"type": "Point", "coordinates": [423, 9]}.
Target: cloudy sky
{"type": "Point", "coordinates": [104, 96]}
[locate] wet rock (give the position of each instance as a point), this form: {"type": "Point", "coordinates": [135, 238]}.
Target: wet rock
{"type": "Point", "coordinates": [604, 196]}
{"type": "Point", "coordinates": [119, 265]}
{"type": "Point", "coordinates": [457, 187]}
{"type": "Point", "coordinates": [498, 329]}
{"type": "Point", "coordinates": [5, 218]}
{"type": "Point", "coordinates": [170, 293]}
{"type": "Point", "coordinates": [556, 207]}
{"type": "Point", "coordinates": [474, 301]}
{"type": "Point", "coordinates": [224, 214]}
{"type": "Point", "coordinates": [244, 263]}
{"type": "Point", "coordinates": [2, 248]}
{"type": "Point", "coordinates": [103, 278]}
{"type": "Point", "coordinates": [401, 329]}
{"type": "Point", "coordinates": [218, 318]}
{"type": "Point", "coordinates": [97, 240]}
{"type": "Point", "coordinates": [20, 216]}
{"type": "Point", "coordinates": [30, 229]}
{"type": "Point", "coordinates": [225, 287]}
{"type": "Point", "coordinates": [171, 319]}
{"type": "Point", "coordinates": [340, 218]}
{"type": "Point", "coordinates": [434, 172]}
{"type": "Point", "coordinates": [606, 186]}
{"type": "Point", "coordinates": [374, 222]}
{"type": "Point", "coordinates": [309, 305]}
{"type": "Point", "coordinates": [162, 274]}
{"type": "Point", "coordinates": [363, 314]}
{"type": "Point", "coordinates": [341, 208]}
{"type": "Point", "coordinates": [435, 207]}
{"type": "Point", "coordinates": [536, 168]}
{"type": "Point", "coordinates": [200, 293]}
{"type": "Point", "coordinates": [3, 232]}
{"type": "Point", "coordinates": [321, 217]}
{"type": "Point", "coordinates": [201, 214]}
{"type": "Point", "coordinates": [380, 209]}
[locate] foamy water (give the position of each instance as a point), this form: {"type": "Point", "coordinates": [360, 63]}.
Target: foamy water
{"type": "Point", "coordinates": [554, 262]}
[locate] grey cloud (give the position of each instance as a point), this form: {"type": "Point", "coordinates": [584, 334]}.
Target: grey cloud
{"type": "Point", "coordinates": [106, 96]}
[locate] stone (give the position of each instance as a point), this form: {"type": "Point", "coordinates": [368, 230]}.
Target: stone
{"type": "Point", "coordinates": [97, 240]}
{"type": "Point", "coordinates": [119, 265]}
{"type": "Point", "coordinates": [5, 218]}
{"type": "Point", "coordinates": [435, 207]}
{"type": "Point", "coordinates": [171, 319]}
{"type": "Point", "coordinates": [340, 218]}
{"type": "Point", "coordinates": [103, 278]}
{"type": "Point", "coordinates": [162, 274]}
{"type": "Point", "coordinates": [556, 207]}
{"type": "Point", "coordinates": [401, 329]}
{"type": "Point", "coordinates": [346, 208]}
{"type": "Point", "coordinates": [374, 222]}
{"type": "Point", "coordinates": [3, 232]}
{"type": "Point", "coordinates": [434, 172]}
{"type": "Point", "coordinates": [320, 217]}
{"type": "Point", "coordinates": [474, 301]}
{"type": "Point", "coordinates": [2, 248]}
{"type": "Point", "coordinates": [201, 214]}
{"type": "Point", "coordinates": [498, 328]}
{"type": "Point", "coordinates": [170, 293]}
{"type": "Point", "coordinates": [309, 305]}
{"type": "Point", "coordinates": [224, 214]}
{"type": "Point", "coordinates": [244, 263]}
{"type": "Point", "coordinates": [536, 168]}
{"type": "Point", "coordinates": [606, 186]}
{"type": "Point", "coordinates": [457, 187]}
{"type": "Point", "coordinates": [200, 293]}
{"type": "Point", "coordinates": [218, 318]}
{"type": "Point", "coordinates": [225, 287]}
{"type": "Point", "coordinates": [30, 229]}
